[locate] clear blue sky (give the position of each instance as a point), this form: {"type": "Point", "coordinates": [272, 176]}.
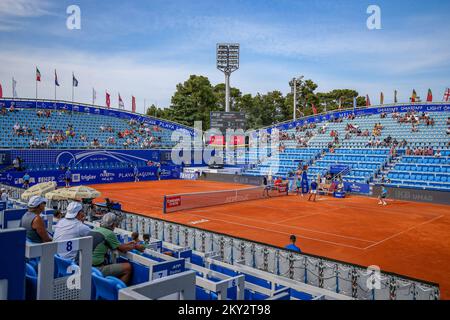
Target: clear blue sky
{"type": "Point", "coordinates": [144, 48]}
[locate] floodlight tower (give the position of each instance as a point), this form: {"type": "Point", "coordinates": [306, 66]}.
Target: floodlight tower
{"type": "Point", "coordinates": [227, 62]}
{"type": "Point", "coordinates": [295, 83]}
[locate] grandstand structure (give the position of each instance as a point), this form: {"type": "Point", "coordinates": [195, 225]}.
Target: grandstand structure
{"type": "Point", "coordinates": [402, 146]}
{"type": "Point", "coordinates": [403, 153]}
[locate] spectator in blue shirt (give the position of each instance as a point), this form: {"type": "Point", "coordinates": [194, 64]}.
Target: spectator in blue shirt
{"type": "Point", "coordinates": [292, 246]}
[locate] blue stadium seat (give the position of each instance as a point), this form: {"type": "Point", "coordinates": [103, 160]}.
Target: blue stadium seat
{"type": "Point", "coordinates": [107, 288]}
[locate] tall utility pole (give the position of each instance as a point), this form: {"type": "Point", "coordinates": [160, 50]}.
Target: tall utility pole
{"type": "Point", "coordinates": [227, 62]}
{"type": "Point", "coordinates": [294, 83]}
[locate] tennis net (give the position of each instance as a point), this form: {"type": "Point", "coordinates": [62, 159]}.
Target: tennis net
{"type": "Point", "coordinates": [185, 201]}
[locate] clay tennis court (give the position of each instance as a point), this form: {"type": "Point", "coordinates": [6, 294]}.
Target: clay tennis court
{"type": "Point", "coordinates": [408, 238]}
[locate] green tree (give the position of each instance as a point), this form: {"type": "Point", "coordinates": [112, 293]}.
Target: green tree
{"type": "Point", "coordinates": [192, 101]}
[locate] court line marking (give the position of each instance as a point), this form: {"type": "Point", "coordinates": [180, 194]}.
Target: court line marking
{"type": "Point", "coordinates": [404, 231]}
{"type": "Point", "coordinates": [281, 225]}
{"type": "Point", "coordinates": [300, 217]}
{"type": "Point", "coordinates": [280, 232]}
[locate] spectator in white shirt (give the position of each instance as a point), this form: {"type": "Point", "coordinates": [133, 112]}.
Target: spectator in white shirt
{"type": "Point", "coordinates": [4, 195]}
{"type": "Point", "coordinates": [71, 227]}
{"type": "Point", "coordinates": [438, 154]}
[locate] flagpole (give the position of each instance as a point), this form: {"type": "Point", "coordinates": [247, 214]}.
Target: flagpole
{"type": "Point", "coordinates": [36, 91]}
{"type": "Point", "coordinates": [72, 87]}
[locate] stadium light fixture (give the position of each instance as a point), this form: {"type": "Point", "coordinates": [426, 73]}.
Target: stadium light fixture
{"type": "Point", "coordinates": [227, 61]}
{"type": "Point", "coordinates": [294, 83]}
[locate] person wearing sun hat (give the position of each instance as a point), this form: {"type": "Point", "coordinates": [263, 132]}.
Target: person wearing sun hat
{"type": "Point", "coordinates": [71, 227]}
{"type": "Point", "coordinates": [33, 222]}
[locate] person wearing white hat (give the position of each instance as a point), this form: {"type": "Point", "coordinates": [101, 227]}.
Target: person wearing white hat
{"type": "Point", "coordinates": [33, 222]}
{"type": "Point", "coordinates": [71, 227]}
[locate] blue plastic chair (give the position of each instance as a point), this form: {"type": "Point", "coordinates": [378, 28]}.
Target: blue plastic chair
{"type": "Point", "coordinates": [61, 265]}
{"type": "Point", "coordinates": [30, 282]}
{"type": "Point", "coordinates": [107, 288]}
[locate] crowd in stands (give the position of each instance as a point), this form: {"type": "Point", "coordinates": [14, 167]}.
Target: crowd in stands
{"type": "Point", "coordinates": [137, 135]}
{"type": "Point", "coordinates": [4, 111]}
{"type": "Point", "coordinates": [44, 113]}
{"type": "Point", "coordinates": [423, 152]}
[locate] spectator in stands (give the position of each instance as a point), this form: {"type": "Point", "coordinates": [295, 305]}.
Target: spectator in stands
{"type": "Point", "coordinates": [437, 154]}
{"type": "Point", "coordinates": [146, 240]}
{"type": "Point", "coordinates": [292, 245]}
{"type": "Point", "coordinates": [135, 237]}
{"type": "Point", "coordinates": [33, 223]}
{"type": "Point", "coordinates": [4, 195]}
{"type": "Point", "coordinates": [57, 214]}
{"type": "Point", "coordinates": [16, 164]}
{"type": "Point", "coordinates": [26, 181]}
{"type": "Point", "coordinates": [408, 151]}
{"type": "Point", "coordinates": [16, 128]}
{"type": "Point", "coordinates": [99, 255]}
{"type": "Point", "coordinates": [71, 227]}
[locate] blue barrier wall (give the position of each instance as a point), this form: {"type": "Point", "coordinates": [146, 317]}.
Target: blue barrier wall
{"type": "Point", "coordinates": [83, 177]}
{"type": "Point", "coordinates": [12, 262]}
{"type": "Point", "coordinates": [82, 157]}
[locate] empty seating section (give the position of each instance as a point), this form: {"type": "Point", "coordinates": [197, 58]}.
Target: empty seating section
{"type": "Point", "coordinates": [88, 125]}
{"type": "Point", "coordinates": [364, 164]}
{"type": "Point", "coordinates": [422, 172]}
{"type": "Point", "coordinates": [284, 162]}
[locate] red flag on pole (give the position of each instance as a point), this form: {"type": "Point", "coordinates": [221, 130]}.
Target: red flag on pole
{"type": "Point", "coordinates": [1, 91]}
{"type": "Point", "coordinates": [314, 109]}
{"type": "Point", "coordinates": [133, 104]}
{"type": "Point", "coordinates": [38, 74]}
{"type": "Point", "coordinates": [430, 96]}
{"type": "Point", "coordinates": [367, 101]}
{"type": "Point", "coordinates": [108, 100]}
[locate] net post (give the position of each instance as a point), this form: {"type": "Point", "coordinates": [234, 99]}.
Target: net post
{"type": "Point", "coordinates": [164, 204]}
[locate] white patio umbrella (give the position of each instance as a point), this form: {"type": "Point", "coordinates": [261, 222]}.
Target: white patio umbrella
{"type": "Point", "coordinates": [39, 189]}
{"type": "Point", "coordinates": [79, 193]}
{"type": "Point", "coordinates": [56, 195]}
